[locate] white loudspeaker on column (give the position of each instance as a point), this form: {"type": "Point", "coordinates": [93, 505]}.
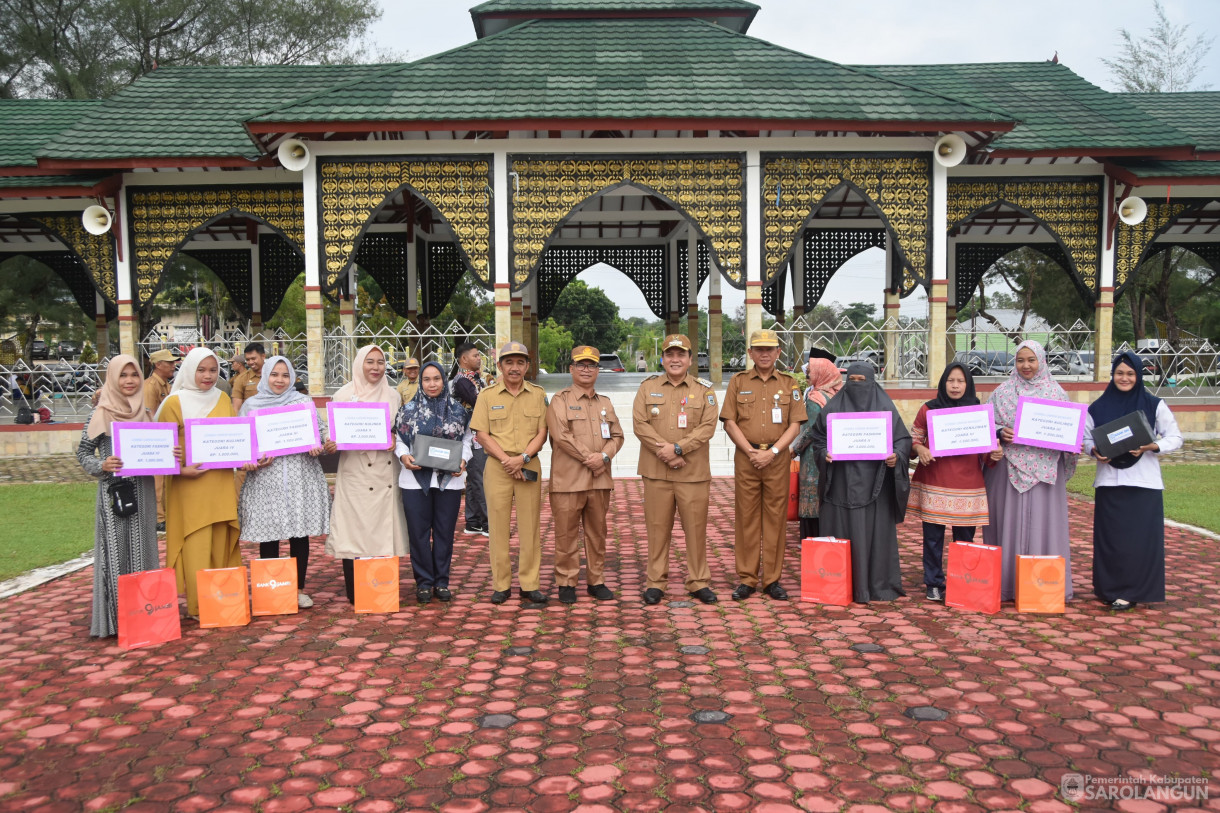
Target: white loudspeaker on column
{"type": "Point", "coordinates": [1132, 210]}
{"type": "Point", "coordinates": [293, 154]}
{"type": "Point", "coordinates": [96, 219]}
{"type": "Point", "coordinates": [949, 150]}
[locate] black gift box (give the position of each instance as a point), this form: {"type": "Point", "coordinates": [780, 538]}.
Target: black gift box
{"type": "Point", "coordinates": [1126, 434]}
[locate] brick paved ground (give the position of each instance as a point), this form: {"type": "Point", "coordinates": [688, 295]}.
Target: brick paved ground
{"type": "Point", "coordinates": [472, 707]}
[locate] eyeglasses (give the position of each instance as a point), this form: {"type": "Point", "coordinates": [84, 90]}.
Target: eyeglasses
{"type": "Point", "coordinates": [586, 366]}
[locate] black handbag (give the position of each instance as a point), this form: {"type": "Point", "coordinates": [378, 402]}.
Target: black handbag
{"type": "Point", "coordinates": [122, 498]}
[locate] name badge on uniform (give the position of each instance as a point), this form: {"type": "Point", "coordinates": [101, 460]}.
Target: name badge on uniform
{"type": "Point", "coordinates": [777, 413]}
{"type": "Point", "coordinates": [682, 415]}
{"type": "Point", "coordinates": [605, 426]}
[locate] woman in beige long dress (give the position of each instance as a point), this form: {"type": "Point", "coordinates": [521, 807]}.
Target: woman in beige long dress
{"type": "Point", "coordinates": [367, 517]}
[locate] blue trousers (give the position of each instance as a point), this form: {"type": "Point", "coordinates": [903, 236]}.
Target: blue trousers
{"type": "Point", "coordinates": [934, 550]}
{"type": "Point", "coordinates": [431, 518]}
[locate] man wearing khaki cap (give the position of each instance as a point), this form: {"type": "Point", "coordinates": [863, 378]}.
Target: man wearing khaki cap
{"type": "Point", "coordinates": [674, 416]}
{"type": "Point", "coordinates": [509, 420]}
{"type": "Point", "coordinates": [156, 390]}
{"type": "Point", "coordinates": [762, 414]}
{"type": "Point", "coordinates": [410, 379]}
{"type": "Point", "coordinates": [585, 435]}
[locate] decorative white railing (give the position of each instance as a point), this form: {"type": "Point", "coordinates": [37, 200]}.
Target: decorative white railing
{"type": "Point", "coordinates": [432, 343]}
{"type": "Point", "coordinates": [988, 350]}
{"type": "Point", "coordinates": [1193, 369]}
{"type": "Point", "coordinates": [897, 348]}
{"type": "Point", "coordinates": [62, 387]}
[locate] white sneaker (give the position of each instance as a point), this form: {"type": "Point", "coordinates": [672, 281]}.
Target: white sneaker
{"type": "Point", "coordinates": [304, 601]}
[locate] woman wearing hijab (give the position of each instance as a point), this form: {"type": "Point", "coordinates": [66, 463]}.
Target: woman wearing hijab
{"type": "Point", "coordinates": [200, 504]}
{"type": "Point", "coordinates": [1027, 488]}
{"type": "Point", "coordinates": [286, 497]}
{"type": "Point", "coordinates": [121, 545]}
{"type": "Point", "coordinates": [367, 517]}
{"type": "Point", "coordinates": [948, 490]}
{"type": "Point", "coordinates": [1129, 513]}
{"type": "Point", "coordinates": [865, 500]}
{"type": "Point", "coordinates": [824, 381]}
{"type": "Point", "coordinates": [431, 498]}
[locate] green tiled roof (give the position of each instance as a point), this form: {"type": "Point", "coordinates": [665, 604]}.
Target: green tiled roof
{"type": "Point", "coordinates": [192, 111]}
{"type": "Point", "coordinates": [1197, 114]}
{"type": "Point", "coordinates": [27, 124]}
{"type": "Point", "coordinates": [1170, 169]}
{"type": "Point", "coordinates": [1057, 109]}
{"type": "Point", "coordinates": [626, 69]}
{"type": "Point", "coordinates": [42, 181]}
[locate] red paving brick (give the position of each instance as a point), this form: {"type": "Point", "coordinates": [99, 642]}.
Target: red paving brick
{"type": "Point", "coordinates": [329, 710]}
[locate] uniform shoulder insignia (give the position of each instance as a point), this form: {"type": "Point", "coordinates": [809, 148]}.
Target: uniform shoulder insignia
{"type": "Point", "coordinates": [651, 377]}
{"type": "Point", "coordinates": [704, 382]}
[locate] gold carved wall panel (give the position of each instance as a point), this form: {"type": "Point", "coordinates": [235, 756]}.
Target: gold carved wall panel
{"type": "Point", "coordinates": [96, 251]}
{"type": "Point", "coordinates": [1070, 209]}
{"type": "Point", "coordinates": [710, 190]}
{"type": "Point", "coordinates": [162, 218]}
{"type": "Point", "coordinates": [900, 187]}
{"type": "Point", "coordinates": [1131, 243]}
{"type": "Point", "coordinates": [352, 191]}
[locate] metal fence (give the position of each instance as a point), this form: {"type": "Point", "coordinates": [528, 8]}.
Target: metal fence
{"type": "Point", "coordinates": [897, 348]}
{"type": "Point", "coordinates": [432, 343]}
{"type": "Point", "coordinates": [65, 389]}
{"type": "Point", "coordinates": [1192, 369]}
{"type": "Point", "coordinates": [989, 350]}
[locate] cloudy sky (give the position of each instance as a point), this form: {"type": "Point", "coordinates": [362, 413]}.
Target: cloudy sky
{"type": "Point", "coordinates": [1083, 32]}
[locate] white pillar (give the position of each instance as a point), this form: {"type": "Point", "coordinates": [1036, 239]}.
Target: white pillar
{"type": "Point", "coordinates": [753, 243]}
{"type": "Point", "coordinates": [671, 300]}
{"type": "Point", "coordinates": [1103, 320]}
{"type": "Point", "coordinates": [256, 293]}
{"type": "Point", "coordinates": [314, 339]}
{"type": "Point", "coordinates": [938, 296]}
{"type": "Point", "coordinates": [715, 324]}
{"type": "Point", "coordinates": [102, 338]}
{"type": "Point", "coordinates": [692, 287]}
{"type": "Point", "coordinates": [798, 277]}
{"type": "Point", "coordinates": [129, 320]}
{"type": "Point", "coordinates": [502, 237]}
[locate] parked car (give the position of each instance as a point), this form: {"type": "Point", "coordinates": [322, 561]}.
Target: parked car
{"type": "Point", "coordinates": [873, 357]}
{"type": "Point", "coordinates": [1070, 362]}
{"type": "Point", "coordinates": [67, 350]}
{"type": "Point", "coordinates": [38, 349]}
{"type": "Point", "coordinates": [611, 363]}
{"type": "Point", "coordinates": [704, 362]}
{"type": "Point", "coordinates": [985, 362]}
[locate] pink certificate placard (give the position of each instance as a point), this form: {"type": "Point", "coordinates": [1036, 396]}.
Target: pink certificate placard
{"type": "Point", "coordinates": [1049, 424]}
{"type": "Point", "coordinates": [961, 430]}
{"type": "Point", "coordinates": [286, 430]}
{"type": "Point", "coordinates": [860, 435]}
{"type": "Point", "coordinates": [220, 443]}
{"type": "Point", "coordinates": [357, 425]}
{"type": "Point", "coordinates": [145, 448]}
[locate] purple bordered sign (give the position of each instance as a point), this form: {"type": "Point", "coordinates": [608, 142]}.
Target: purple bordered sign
{"type": "Point", "coordinates": [860, 435]}
{"type": "Point", "coordinates": [961, 430]}
{"type": "Point", "coordinates": [220, 443]}
{"type": "Point", "coordinates": [356, 425]}
{"type": "Point", "coordinates": [286, 430]}
{"type": "Point", "coordinates": [145, 448]}
{"type": "Point", "coordinates": [1049, 424]}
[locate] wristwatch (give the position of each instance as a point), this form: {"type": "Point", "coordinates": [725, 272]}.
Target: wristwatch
{"type": "Point", "coordinates": [606, 458]}
{"type": "Point", "coordinates": [526, 457]}
{"type": "Point", "coordinates": [775, 450]}
{"type": "Point", "coordinates": [677, 450]}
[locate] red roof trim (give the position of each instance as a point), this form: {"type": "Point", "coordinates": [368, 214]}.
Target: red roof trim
{"type": "Point", "coordinates": [138, 163]}
{"type": "Point", "coordinates": [277, 127]}
{"type": "Point", "coordinates": [1126, 176]}
{"type": "Point", "coordinates": [1183, 153]}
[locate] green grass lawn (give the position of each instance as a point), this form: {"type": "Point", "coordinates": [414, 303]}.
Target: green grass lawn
{"type": "Point", "coordinates": [1192, 492]}
{"type": "Point", "coordinates": [44, 524]}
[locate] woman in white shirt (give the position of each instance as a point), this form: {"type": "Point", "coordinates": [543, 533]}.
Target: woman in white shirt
{"type": "Point", "coordinates": [1129, 513]}
{"type": "Point", "coordinates": [431, 497]}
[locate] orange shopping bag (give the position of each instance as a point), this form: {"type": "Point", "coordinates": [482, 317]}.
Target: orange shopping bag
{"type": "Point", "coordinates": [377, 584]}
{"type": "Point", "coordinates": [273, 586]}
{"type": "Point", "coordinates": [1041, 585]}
{"type": "Point", "coordinates": [794, 491]}
{"type": "Point", "coordinates": [223, 598]}
{"type": "Point", "coordinates": [148, 608]}
{"type": "Point", "coordinates": [973, 580]}
{"type": "Point", "coordinates": [826, 570]}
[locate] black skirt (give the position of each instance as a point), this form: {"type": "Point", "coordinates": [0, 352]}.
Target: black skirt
{"type": "Point", "coordinates": [1129, 544]}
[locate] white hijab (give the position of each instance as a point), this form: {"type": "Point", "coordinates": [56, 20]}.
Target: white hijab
{"type": "Point", "coordinates": [192, 401]}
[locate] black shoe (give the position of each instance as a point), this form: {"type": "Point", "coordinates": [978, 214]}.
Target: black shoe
{"type": "Point", "coordinates": [705, 595]}
{"type": "Point", "coordinates": [600, 592]}
{"type": "Point", "coordinates": [535, 596]}
{"type": "Point", "coordinates": [500, 596]}
{"type": "Point", "coordinates": [742, 591]}
{"type": "Point", "coordinates": [936, 594]}
{"type": "Point", "coordinates": [1118, 605]}
{"type": "Point", "coordinates": [442, 593]}
{"type": "Point", "coordinates": [652, 596]}
{"type": "Point", "coordinates": [567, 595]}
{"type": "Point", "coordinates": [776, 592]}
{"type": "Point", "coordinates": [423, 595]}
{"type": "Point", "coordinates": [160, 527]}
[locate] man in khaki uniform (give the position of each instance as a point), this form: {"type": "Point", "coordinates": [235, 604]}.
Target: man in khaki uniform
{"type": "Point", "coordinates": [410, 379]}
{"type": "Point", "coordinates": [762, 414]}
{"type": "Point", "coordinates": [674, 416]}
{"type": "Point", "coordinates": [156, 390]}
{"type": "Point", "coordinates": [585, 435]}
{"type": "Point", "coordinates": [245, 386]}
{"type": "Point", "coordinates": [509, 420]}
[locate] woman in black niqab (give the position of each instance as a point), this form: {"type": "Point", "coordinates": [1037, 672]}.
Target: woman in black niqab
{"type": "Point", "coordinates": [865, 500]}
